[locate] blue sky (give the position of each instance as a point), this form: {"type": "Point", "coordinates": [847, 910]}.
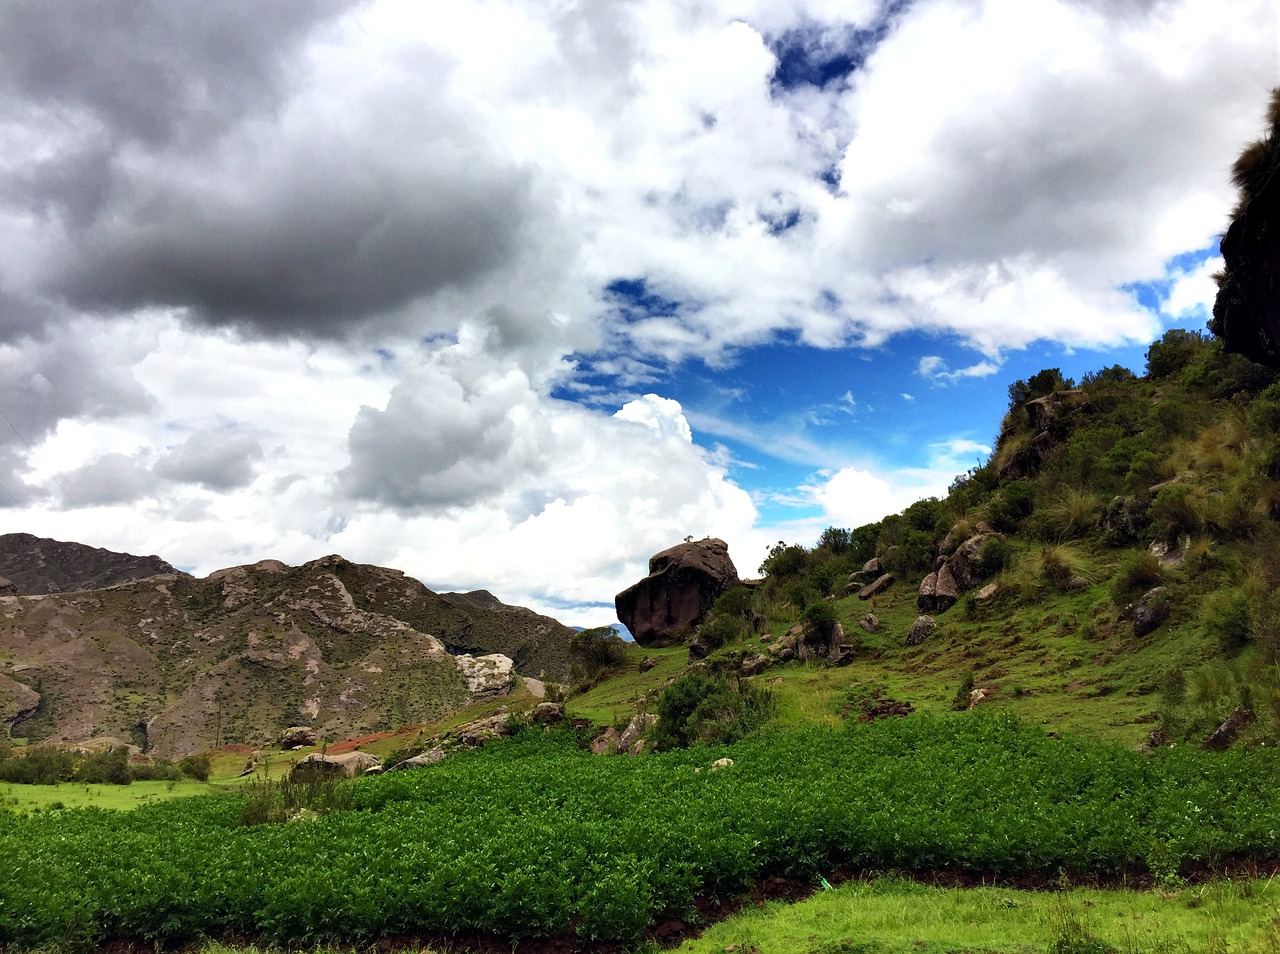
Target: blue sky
{"type": "Point", "coordinates": [512, 295]}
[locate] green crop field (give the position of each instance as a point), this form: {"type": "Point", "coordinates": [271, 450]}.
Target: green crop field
{"type": "Point", "coordinates": [535, 837]}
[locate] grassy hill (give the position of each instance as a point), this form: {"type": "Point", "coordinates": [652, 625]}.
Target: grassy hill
{"type": "Point", "coordinates": [1098, 495]}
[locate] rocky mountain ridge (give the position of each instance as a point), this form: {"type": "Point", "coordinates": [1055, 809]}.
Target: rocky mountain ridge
{"type": "Point", "coordinates": [37, 565]}
{"type": "Point", "coordinates": [177, 664]}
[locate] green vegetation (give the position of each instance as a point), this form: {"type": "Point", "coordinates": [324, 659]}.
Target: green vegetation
{"type": "Point", "coordinates": [535, 837]}
{"type": "Point", "coordinates": [896, 916]}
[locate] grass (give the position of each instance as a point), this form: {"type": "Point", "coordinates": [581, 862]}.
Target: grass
{"type": "Point", "coordinates": [893, 916]}
{"type": "Point", "coordinates": [25, 798]}
{"type": "Point", "coordinates": [615, 698]}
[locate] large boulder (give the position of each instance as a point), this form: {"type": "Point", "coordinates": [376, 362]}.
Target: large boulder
{"type": "Point", "coordinates": [487, 676]}
{"type": "Point", "coordinates": [882, 583]}
{"type": "Point", "coordinates": [346, 765]}
{"type": "Point", "coordinates": [683, 582]}
{"type": "Point", "coordinates": [297, 736]}
{"type": "Point", "coordinates": [920, 630]}
{"type": "Point", "coordinates": [1152, 610]}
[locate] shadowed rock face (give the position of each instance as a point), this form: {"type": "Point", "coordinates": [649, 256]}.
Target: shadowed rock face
{"type": "Point", "coordinates": [1246, 314]}
{"type": "Point", "coordinates": [683, 582]}
{"type": "Point", "coordinates": [37, 565]}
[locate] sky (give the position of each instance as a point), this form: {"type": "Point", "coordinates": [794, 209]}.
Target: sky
{"type": "Point", "coordinates": [514, 295]}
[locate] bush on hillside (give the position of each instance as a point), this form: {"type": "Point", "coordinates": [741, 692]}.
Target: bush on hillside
{"type": "Point", "coordinates": [1138, 572]}
{"type": "Point", "coordinates": [702, 707]}
{"type": "Point", "coordinates": [594, 652]}
{"type": "Point", "coordinates": [1011, 506]}
{"type": "Point", "coordinates": [110, 766]}
{"type": "Point", "coordinates": [1173, 352]}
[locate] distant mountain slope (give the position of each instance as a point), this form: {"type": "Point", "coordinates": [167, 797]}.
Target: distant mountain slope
{"type": "Point", "coordinates": [39, 565]}
{"type": "Point", "coordinates": [177, 664]}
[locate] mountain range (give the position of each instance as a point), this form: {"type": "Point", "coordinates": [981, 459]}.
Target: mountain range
{"type": "Point", "coordinates": [95, 643]}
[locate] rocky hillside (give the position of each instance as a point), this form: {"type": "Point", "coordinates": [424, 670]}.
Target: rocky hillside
{"type": "Point", "coordinates": [35, 565]}
{"type": "Point", "coordinates": [177, 664]}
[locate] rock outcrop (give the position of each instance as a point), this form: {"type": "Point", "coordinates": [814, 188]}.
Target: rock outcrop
{"type": "Point", "coordinates": [920, 630]}
{"type": "Point", "coordinates": [961, 567]}
{"type": "Point", "coordinates": [487, 676]}
{"type": "Point", "coordinates": [1246, 313]}
{"type": "Point", "coordinates": [1050, 420]}
{"type": "Point", "coordinates": [683, 582]}
{"type": "Point", "coordinates": [346, 765]}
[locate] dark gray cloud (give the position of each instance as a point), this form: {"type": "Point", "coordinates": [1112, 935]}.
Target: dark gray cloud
{"type": "Point", "coordinates": [198, 157]}
{"type": "Point", "coordinates": [153, 71]}
{"type": "Point", "coordinates": [307, 251]}
{"type": "Point", "coordinates": [216, 460]}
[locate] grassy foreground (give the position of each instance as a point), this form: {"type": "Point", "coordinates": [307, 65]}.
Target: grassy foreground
{"type": "Point", "coordinates": [893, 916]}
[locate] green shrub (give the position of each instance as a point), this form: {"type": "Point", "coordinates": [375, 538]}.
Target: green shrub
{"type": "Point", "coordinates": [709, 707]}
{"type": "Point", "coordinates": [196, 767]}
{"type": "Point", "coordinates": [1225, 614]}
{"type": "Point", "coordinates": [1177, 510]}
{"type": "Point", "coordinates": [821, 616]}
{"type": "Point", "coordinates": [43, 765]}
{"type": "Point", "coordinates": [1011, 506]}
{"type": "Point", "coordinates": [594, 652]}
{"type": "Point", "coordinates": [1173, 352]}
{"type": "Point", "coordinates": [110, 766]}
{"type": "Point", "coordinates": [1138, 572]}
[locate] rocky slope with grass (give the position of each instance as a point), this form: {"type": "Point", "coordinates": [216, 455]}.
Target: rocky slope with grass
{"type": "Point", "coordinates": [1112, 569]}
{"type": "Point", "coordinates": [176, 664]}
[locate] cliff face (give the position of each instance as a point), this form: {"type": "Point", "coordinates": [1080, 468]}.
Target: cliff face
{"type": "Point", "coordinates": [1246, 314]}
{"type": "Point", "coordinates": [36, 565]}
{"type": "Point", "coordinates": [177, 664]}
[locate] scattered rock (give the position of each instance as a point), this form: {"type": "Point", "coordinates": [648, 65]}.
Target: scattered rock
{"type": "Point", "coordinates": [947, 591]}
{"type": "Point", "coordinates": [1077, 583]}
{"type": "Point", "coordinates": [606, 742]}
{"type": "Point", "coordinates": [548, 713]}
{"type": "Point", "coordinates": [873, 567]}
{"type": "Point", "coordinates": [754, 665]}
{"type": "Point", "coordinates": [1151, 611]}
{"type": "Point", "coordinates": [479, 731]}
{"type": "Point", "coordinates": [1171, 556]}
{"type": "Point", "coordinates": [647, 663]}
{"type": "Point", "coordinates": [882, 583]}
{"type": "Point", "coordinates": [1222, 737]}
{"type": "Point", "coordinates": [721, 764]}
{"type": "Point", "coordinates": [870, 623]}
{"type": "Point", "coordinates": [683, 582]}
{"type": "Point", "coordinates": [8, 587]}
{"type": "Point", "coordinates": [921, 628]}
{"type": "Point", "coordinates": [928, 589]}
{"type": "Point", "coordinates": [638, 726]}
{"type": "Point", "coordinates": [297, 737]}
{"type": "Point", "coordinates": [987, 592]}
{"type": "Point", "coordinates": [430, 757]}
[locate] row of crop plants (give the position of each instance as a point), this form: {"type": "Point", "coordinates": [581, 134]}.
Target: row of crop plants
{"type": "Point", "coordinates": [534, 837]}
